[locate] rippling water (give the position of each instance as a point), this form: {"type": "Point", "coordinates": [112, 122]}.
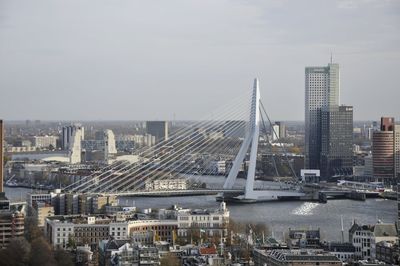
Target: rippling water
{"type": "Point", "coordinates": [279, 216]}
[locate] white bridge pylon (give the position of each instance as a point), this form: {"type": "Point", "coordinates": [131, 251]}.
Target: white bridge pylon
{"type": "Point", "coordinates": [251, 138]}
{"type": "Point", "coordinates": [251, 141]}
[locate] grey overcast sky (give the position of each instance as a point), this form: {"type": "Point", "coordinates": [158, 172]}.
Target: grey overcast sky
{"type": "Point", "coordinates": [134, 60]}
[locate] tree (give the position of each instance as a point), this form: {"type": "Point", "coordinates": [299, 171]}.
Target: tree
{"type": "Point", "coordinates": [63, 258]}
{"type": "Point", "coordinates": [170, 260]}
{"type": "Point", "coordinates": [17, 253]}
{"type": "Point", "coordinates": [32, 231]}
{"type": "Point", "coordinates": [43, 254]}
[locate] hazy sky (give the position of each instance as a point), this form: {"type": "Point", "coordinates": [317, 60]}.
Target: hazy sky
{"type": "Point", "coordinates": [133, 60]}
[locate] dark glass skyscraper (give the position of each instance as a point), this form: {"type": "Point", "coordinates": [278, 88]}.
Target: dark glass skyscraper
{"type": "Point", "coordinates": [337, 141]}
{"type": "Point", "coordinates": [328, 126]}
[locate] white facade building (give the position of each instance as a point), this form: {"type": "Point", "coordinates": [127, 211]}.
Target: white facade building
{"type": "Point", "coordinates": [166, 184]}
{"type": "Point", "coordinates": [45, 141]}
{"type": "Point", "coordinates": [365, 237]}
{"type": "Point", "coordinates": [210, 222]}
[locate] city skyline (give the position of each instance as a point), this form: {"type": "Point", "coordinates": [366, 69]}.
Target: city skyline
{"type": "Point", "coordinates": [159, 68]}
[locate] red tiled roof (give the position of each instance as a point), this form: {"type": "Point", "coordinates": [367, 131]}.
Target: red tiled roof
{"type": "Point", "coordinates": [208, 251]}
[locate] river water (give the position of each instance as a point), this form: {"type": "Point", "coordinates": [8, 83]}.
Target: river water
{"type": "Point", "coordinates": [279, 216]}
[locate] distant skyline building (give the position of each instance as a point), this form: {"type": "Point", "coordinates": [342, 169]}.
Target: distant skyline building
{"type": "Point", "coordinates": [158, 129]}
{"type": "Point", "coordinates": [328, 126]}
{"type": "Point", "coordinates": [110, 150]}
{"type": "Point", "coordinates": [278, 131]}
{"type": "Point", "coordinates": [67, 135]}
{"type": "Point", "coordinates": [75, 146]}
{"type": "Point", "coordinates": [45, 141]}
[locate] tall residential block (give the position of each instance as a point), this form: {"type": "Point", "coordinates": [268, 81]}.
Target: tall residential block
{"type": "Point", "coordinates": [158, 129]}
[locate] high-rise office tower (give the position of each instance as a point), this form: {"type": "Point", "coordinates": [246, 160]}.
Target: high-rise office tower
{"type": "Point", "coordinates": [383, 151]}
{"type": "Point", "coordinates": [158, 129]}
{"type": "Point", "coordinates": [337, 141]}
{"type": "Point", "coordinates": [322, 89]}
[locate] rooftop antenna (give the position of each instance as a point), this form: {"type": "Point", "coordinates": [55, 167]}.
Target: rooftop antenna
{"type": "Point", "coordinates": [331, 58]}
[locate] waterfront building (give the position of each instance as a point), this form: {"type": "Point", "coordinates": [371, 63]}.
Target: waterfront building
{"type": "Point", "coordinates": [322, 88]}
{"type": "Point", "coordinates": [304, 257]}
{"type": "Point", "coordinates": [310, 175]}
{"type": "Point", "coordinates": [33, 198]}
{"type": "Point", "coordinates": [365, 237]}
{"type": "Point", "coordinates": [336, 157]}
{"type": "Point", "coordinates": [368, 166]}
{"type": "Point", "coordinates": [158, 129]}
{"type": "Point", "coordinates": [328, 125]}
{"type": "Point", "coordinates": [68, 133]}
{"type": "Point", "coordinates": [45, 141]}
{"type": "Point", "coordinates": [166, 184]}
{"type": "Point", "coordinates": [211, 223]}
{"type": "Point", "coordinates": [304, 238]}
{"type": "Point", "coordinates": [383, 143]}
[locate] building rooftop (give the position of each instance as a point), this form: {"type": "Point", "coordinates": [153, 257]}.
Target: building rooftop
{"type": "Point", "coordinates": [286, 255]}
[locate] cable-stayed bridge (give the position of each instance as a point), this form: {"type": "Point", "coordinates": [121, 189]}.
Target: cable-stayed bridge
{"type": "Point", "coordinates": [230, 133]}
